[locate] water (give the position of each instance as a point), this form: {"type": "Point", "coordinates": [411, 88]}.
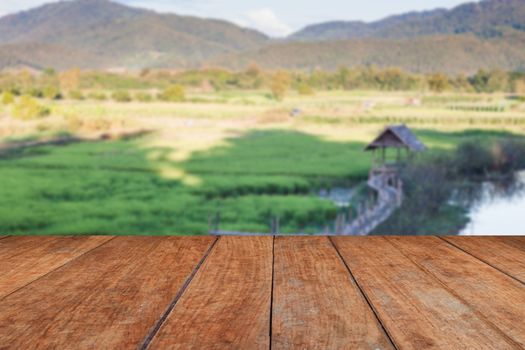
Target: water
{"type": "Point", "coordinates": [494, 208]}
{"type": "Point", "coordinates": [498, 210]}
{"type": "Point", "coordinates": [339, 195]}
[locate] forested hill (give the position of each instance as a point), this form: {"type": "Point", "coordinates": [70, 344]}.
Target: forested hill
{"type": "Point", "coordinates": [452, 54]}
{"type": "Point", "coordinates": [119, 35]}
{"type": "Point", "coordinates": [485, 19]}
{"type": "Point", "coordinates": [103, 34]}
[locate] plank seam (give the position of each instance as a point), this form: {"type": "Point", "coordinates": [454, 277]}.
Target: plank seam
{"type": "Point", "coordinates": [158, 325]}
{"type": "Point", "coordinates": [58, 267]}
{"type": "Point", "coordinates": [364, 295]}
{"type": "Point", "coordinates": [272, 291]}
{"type": "Point", "coordinates": [481, 259]}
{"type": "Point", "coordinates": [478, 313]}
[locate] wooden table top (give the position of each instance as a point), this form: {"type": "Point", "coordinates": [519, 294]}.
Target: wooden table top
{"type": "Point", "coordinates": [262, 293]}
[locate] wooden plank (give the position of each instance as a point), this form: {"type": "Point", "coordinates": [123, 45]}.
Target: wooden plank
{"type": "Point", "coordinates": [25, 259]}
{"type": "Point", "coordinates": [316, 304]}
{"type": "Point", "coordinates": [515, 241]}
{"type": "Point", "coordinates": [415, 308]}
{"type": "Point", "coordinates": [507, 254]}
{"type": "Point", "coordinates": [110, 298]}
{"type": "Point", "coordinates": [227, 305]}
{"type": "Point", "coordinates": [489, 292]}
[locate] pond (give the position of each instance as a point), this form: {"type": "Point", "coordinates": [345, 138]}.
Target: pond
{"type": "Point", "coordinates": [498, 208]}
{"type": "Point", "coordinates": [340, 196]}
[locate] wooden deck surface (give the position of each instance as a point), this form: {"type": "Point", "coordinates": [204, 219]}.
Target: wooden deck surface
{"type": "Point", "coordinates": [262, 293]}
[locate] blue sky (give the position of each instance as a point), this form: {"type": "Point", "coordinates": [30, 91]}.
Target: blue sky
{"type": "Point", "coordinates": [274, 17]}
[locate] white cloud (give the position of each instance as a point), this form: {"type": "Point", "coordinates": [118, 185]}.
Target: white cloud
{"type": "Point", "coordinates": [263, 19]}
{"type": "Point", "coordinates": [266, 21]}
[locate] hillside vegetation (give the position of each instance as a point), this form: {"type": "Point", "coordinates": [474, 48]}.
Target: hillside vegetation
{"type": "Point", "coordinates": [120, 35]}
{"type": "Point", "coordinates": [452, 54]}
{"type": "Point", "coordinates": [485, 19]}
{"type": "Point", "coordinates": [100, 34]}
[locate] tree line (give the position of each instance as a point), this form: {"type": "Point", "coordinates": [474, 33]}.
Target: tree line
{"type": "Point", "coordinates": [171, 85]}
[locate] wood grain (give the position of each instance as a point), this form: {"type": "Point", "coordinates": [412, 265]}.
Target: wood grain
{"type": "Point", "coordinates": [415, 308]}
{"type": "Point", "coordinates": [24, 259]}
{"type": "Point", "coordinates": [227, 305]}
{"type": "Point", "coordinates": [485, 289]}
{"type": "Point", "coordinates": [516, 241]}
{"type": "Point", "coordinates": [109, 298]}
{"type": "Point", "coordinates": [316, 303]}
{"type": "Point", "coordinates": [504, 253]}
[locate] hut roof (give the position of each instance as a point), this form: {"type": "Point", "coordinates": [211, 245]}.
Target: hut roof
{"type": "Point", "coordinates": [397, 136]}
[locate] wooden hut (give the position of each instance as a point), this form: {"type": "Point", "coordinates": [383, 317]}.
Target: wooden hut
{"type": "Point", "coordinates": [396, 137]}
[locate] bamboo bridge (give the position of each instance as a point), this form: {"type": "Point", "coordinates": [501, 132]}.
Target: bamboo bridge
{"type": "Point", "coordinates": [384, 180]}
{"type": "Point", "coordinates": [389, 189]}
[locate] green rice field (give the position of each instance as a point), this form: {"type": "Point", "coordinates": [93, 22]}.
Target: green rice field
{"type": "Point", "coordinates": [241, 162]}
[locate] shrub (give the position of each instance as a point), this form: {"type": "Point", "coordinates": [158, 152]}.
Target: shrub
{"type": "Point", "coordinates": [174, 93]}
{"type": "Point", "coordinates": [96, 124]}
{"type": "Point", "coordinates": [427, 185]}
{"type": "Point", "coordinates": [8, 98]}
{"type": "Point", "coordinates": [279, 84]}
{"type": "Point", "coordinates": [41, 127]}
{"type": "Point", "coordinates": [77, 124]}
{"type": "Point", "coordinates": [51, 92]}
{"type": "Point", "coordinates": [437, 82]}
{"type": "Point", "coordinates": [519, 86]}
{"type": "Point", "coordinates": [28, 108]}
{"type": "Point", "coordinates": [508, 156]}
{"type": "Point", "coordinates": [143, 97]}
{"type": "Point", "coordinates": [305, 89]}
{"type": "Point", "coordinates": [70, 80]}
{"type": "Point", "coordinates": [15, 91]}
{"type": "Point", "coordinates": [121, 96]}
{"type": "Point", "coordinates": [76, 95]}
{"type": "Point", "coordinates": [473, 158]}
{"type": "Point", "coordinates": [36, 92]}
{"type": "Point", "coordinates": [99, 96]}
{"type": "Point", "coordinates": [50, 72]}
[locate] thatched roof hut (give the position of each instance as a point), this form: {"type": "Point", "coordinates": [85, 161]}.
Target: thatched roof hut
{"type": "Point", "coordinates": [397, 136]}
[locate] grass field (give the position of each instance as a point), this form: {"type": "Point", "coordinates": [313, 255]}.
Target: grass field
{"type": "Point", "coordinates": [239, 156]}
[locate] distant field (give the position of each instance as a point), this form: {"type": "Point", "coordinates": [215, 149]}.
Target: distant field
{"type": "Point", "coordinates": [237, 156]}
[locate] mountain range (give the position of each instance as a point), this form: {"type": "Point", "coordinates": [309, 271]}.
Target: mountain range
{"type": "Point", "coordinates": [100, 34]}
{"type": "Point", "coordinates": [485, 19]}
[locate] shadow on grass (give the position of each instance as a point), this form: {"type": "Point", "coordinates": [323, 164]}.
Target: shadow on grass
{"type": "Point", "coordinates": [115, 187]}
